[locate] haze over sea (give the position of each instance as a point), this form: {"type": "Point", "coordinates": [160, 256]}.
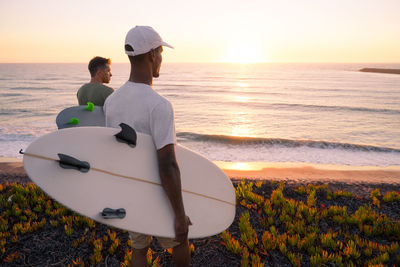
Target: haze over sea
{"type": "Point", "coordinates": [272, 113]}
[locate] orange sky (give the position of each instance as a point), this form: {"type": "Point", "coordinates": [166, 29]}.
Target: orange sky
{"type": "Point", "coordinates": [203, 31]}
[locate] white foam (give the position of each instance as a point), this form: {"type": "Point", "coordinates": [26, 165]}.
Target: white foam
{"type": "Point", "coordinates": [260, 153]}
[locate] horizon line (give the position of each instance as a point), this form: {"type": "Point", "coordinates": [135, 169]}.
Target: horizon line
{"type": "Point", "coordinates": [225, 62]}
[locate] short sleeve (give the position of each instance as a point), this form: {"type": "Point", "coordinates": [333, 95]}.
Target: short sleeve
{"type": "Point", "coordinates": [80, 96]}
{"type": "Point", "coordinates": [107, 92]}
{"type": "Point", "coordinates": [162, 125]}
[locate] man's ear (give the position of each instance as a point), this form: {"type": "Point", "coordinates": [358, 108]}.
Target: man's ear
{"type": "Point", "coordinates": [98, 72]}
{"type": "Point", "coordinates": [152, 55]}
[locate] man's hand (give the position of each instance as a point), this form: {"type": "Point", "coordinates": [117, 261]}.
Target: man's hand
{"type": "Point", "coordinates": [182, 229]}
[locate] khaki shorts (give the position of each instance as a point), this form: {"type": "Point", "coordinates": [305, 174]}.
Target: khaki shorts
{"type": "Point", "coordinates": [140, 241]}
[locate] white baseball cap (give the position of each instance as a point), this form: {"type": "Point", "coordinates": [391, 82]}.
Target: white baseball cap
{"type": "Point", "coordinates": [143, 39]}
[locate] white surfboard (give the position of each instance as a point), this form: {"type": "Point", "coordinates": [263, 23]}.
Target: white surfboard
{"type": "Point", "coordinates": [126, 179]}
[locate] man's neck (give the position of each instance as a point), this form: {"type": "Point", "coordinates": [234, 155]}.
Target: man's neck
{"type": "Point", "coordinates": [141, 77]}
{"type": "Point", "coordinates": [96, 80]}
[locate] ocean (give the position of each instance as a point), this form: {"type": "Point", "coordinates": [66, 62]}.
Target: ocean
{"type": "Point", "coordinates": [267, 113]}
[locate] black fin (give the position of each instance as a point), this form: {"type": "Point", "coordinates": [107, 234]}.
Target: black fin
{"type": "Point", "coordinates": [127, 135]}
{"type": "Point", "coordinates": [108, 213]}
{"type": "Point", "coordinates": [68, 162]}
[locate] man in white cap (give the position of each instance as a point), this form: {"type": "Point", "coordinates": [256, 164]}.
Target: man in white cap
{"type": "Point", "coordinates": [138, 105]}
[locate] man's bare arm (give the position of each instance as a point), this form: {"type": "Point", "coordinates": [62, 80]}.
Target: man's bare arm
{"type": "Point", "coordinates": [171, 182]}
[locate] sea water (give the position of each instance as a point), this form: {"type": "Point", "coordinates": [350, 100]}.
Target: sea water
{"type": "Point", "coordinates": [275, 113]}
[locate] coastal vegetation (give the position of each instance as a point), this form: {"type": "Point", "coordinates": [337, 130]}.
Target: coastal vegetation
{"type": "Point", "coordinates": [307, 225]}
{"type": "Point", "coordinates": [314, 230]}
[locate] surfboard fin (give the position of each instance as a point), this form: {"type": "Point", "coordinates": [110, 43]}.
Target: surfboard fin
{"type": "Point", "coordinates": [90, 106]}
{"type": "Point", "coordinates": [126, 135]}
{"type": "Point", "coordinates": [74, 121]}
{"type": "Point", "coordinates": [108, 213]}
{"type": "Point", "coordinates": [68, 162]}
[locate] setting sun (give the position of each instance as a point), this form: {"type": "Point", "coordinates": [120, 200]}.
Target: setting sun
{"type": "Point", "coordinates": [243, 53]}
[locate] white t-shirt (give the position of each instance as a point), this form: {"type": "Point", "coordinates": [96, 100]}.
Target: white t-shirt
{"type": "Point", "coordinates": [142, 108]}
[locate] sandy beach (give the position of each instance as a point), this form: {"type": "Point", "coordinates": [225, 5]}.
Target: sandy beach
{"type": "Point", "coordinates": [312, 174]}
{"type": "Point", "coordinates": [357, 180]}
{"type": "Point", "coordinates": [12, 168]}
{"type": "Point", "coordinates": [10, 165]}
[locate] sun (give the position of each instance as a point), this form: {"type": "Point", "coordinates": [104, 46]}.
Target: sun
{"type": "Point", "coordinates": [243, 53]}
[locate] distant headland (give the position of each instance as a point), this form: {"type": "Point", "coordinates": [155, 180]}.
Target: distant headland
{"type": "Point", "coordinates": [391, 71]}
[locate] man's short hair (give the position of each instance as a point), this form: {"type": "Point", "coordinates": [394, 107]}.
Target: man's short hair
{"type": "Point", "coordinates": [137, 58]}
{"type": "Point", "coordinates": [97, 63]}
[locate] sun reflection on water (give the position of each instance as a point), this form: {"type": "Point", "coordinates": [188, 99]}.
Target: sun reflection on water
{"type": "Point", "coordinates": [243, 85]}
{"type": "Point", "coordinates": [240, 130]}
{"type": "Point", "coordinates": [240, 122]}
{"type": "Point", "coordinates": [243, 99]}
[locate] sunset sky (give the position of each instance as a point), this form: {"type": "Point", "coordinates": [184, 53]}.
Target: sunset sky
{"type": "Point", "coordinates": [203, 31]}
